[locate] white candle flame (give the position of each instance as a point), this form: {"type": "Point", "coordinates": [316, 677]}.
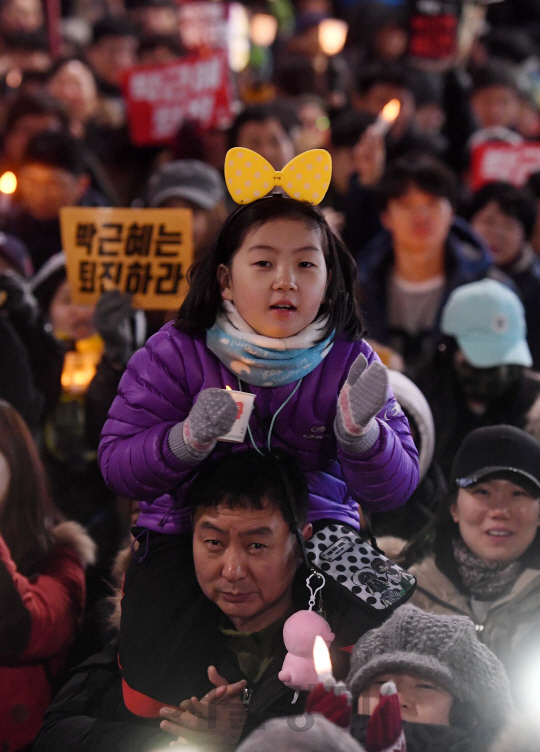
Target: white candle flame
{"type": "Point", "coordinates": [391, 110]}
{"type": "Point", "coordinates": [321, 658]}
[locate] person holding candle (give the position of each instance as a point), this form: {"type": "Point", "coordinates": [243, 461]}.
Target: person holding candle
{"type": "Point", "coordinates": [453, 691]}
{"type": "Point", "coordinates": [272, 311]}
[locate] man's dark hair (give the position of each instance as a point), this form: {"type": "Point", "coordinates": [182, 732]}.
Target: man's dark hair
{"type": "Point", "coordinates": [26, 41]}
{"type": "Point", "coordinates": [518, 203]}
{"type": "Point", "coordinates": [420, 171]}
{"type": "Point", "coordinates": [112, 26]}
{"type": "Point", "coordinates": [246, 480]}
{"type": "Point", "coordinates": [56, 149]}
{"type": "Point", "coordinates": [37, 104]}
{"type": "Point", "coordinates": [349, 127]}
{"type": "Point", "coordinates": [341, 305]}
{"type": "Point", "coordinates": [260, 113]}
{"type": "Point", "coordinates": [495, 73]}
{"type": "Point", "coordinates": [392, 74]}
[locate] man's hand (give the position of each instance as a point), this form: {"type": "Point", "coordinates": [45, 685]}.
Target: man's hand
{"type": "Point", "coordinates": [369, 156]}
{"type": "Point", "coordinates": [215, 721]}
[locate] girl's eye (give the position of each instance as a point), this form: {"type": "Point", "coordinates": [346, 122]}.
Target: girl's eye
{"type": "Point", "coordinates": [263, 264]}
{"type": "Point", "coordinates": [426, 686]}
{"type": "Point", "coordinates": [481, 492]}
{"type": "Point", "coordinates": [306, 264]}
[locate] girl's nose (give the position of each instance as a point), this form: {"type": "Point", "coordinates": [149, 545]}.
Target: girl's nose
{"type": "Point", "coordinates": [284, 281]}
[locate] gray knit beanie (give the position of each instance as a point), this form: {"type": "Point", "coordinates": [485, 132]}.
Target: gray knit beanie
{"type": "Point", "coordinates": [442, 648]}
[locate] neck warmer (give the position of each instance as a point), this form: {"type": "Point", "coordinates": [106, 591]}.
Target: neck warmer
{"type": "Point", "coordinates": [486, 580]}
{"type": "Point", "coordinates": [266, 361]}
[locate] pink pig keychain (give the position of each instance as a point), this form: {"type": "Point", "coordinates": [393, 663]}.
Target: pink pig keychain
{"type": "Point", "coordinates": [299, 632]}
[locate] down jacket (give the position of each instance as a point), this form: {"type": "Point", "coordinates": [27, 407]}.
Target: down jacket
{"type": "Point", "coordinates": [161, 384]}
{"type": "Point", "coordinates": [39, 617]}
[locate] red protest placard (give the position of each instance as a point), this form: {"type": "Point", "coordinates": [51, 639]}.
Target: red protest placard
{"type": "Point", "coordinates": [160, 97]}
{"type": "Point", "coordinates": [512, 163]}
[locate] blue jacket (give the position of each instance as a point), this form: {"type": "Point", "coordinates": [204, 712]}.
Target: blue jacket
{"type": "Point", "coordinates": [467, 260]}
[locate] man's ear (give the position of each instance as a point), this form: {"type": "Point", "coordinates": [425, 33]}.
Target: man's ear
{"type": "Point", "coordinates": [224, 279]}
{"type": "Point", "coordinates": [307, 531]}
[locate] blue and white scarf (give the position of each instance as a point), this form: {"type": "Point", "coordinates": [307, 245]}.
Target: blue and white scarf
{"type": "Point", "coordinates": [266, 361]}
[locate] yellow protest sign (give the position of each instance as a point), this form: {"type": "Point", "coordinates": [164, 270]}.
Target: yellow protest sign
{"type": "Point", "coordinates": [145, 252]}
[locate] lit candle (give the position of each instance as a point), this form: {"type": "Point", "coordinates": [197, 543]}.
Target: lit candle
{"type": "Point", "coordinates": [8, 186]}
{"type": "Point", "coordinates": [332, 35]}
{"type": "Point", "coordinates": [323, 668]}
{"type": "Point", "coordinates": [323, 664]}
{"type": "Point", "coordinates": [244, 402]}
{"type": "Point", "coordinates": [387, 117]}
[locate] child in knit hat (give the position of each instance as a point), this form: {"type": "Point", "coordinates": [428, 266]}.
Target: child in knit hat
{"type": "Point", "coordinates": [453, 691]}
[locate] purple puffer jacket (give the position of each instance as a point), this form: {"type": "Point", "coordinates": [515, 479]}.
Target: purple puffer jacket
{"type": "Point", "coordinates": [161, 384]}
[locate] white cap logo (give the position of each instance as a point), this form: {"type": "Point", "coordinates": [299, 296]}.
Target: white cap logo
{"type": "Point", "coordinates": [500, 323]}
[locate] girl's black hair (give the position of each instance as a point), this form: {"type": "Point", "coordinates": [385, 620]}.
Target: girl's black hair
{"type": "Point", "coordinates": [203, 302]}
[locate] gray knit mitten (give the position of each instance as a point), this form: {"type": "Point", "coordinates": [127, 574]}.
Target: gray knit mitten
{"type": "Point", "coordinates": [362, 396]}
{"type": "Point", "coordinates": [211, 416]}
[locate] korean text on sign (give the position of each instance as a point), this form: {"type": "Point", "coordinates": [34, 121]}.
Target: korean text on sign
{"type": "Point", "coordinates": [145, 252]}
{"type": "Point", "coordinates": [160, 98]}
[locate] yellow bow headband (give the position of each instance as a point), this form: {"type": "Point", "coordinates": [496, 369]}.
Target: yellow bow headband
{"type": "Point", "coordinates": [249, 176]}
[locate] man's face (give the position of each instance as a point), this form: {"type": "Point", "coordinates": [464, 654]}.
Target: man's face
{"type": "Point", "coordinates": [496, 106]}
{"type": "Point", "coordinates": [418, 221]}
{"type": "Point", "coordinates": [24, 129]}
{"type": "Point", "coordinates": [504, 234]}
{"type": "Point", "coordinates": [268, 139]}
{"type": "Point", "coordinates": [422, 700]}
{"type": "Point", "coordinates": [44, 190]}
{"type": "Point", "coordinates": [245, 562]}
{"type": "Point", "coordinates": [111, 56]}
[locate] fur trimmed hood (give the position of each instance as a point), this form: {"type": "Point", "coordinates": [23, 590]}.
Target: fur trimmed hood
{"type": "Point", "coordinates": [74, 536]}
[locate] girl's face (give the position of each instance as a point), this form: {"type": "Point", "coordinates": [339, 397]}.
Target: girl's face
{"type": "Point", "coordinates": [422, 700]}
{"type": "Point", "coordinates": [277, 278]}
{"type": "Point", "coordinates": [497, 519]}
{"type": "Point", "coordinates": [68, 319]}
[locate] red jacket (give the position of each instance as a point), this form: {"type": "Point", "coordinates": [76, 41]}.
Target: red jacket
{"type": "Point", "coordinates": [39, 617]}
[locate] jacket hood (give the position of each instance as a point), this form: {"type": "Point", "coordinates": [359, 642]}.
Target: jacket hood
{"type": "Point", "coordinates": [73, 535]}
{"type": "Point", "coordinates": [416, 408]}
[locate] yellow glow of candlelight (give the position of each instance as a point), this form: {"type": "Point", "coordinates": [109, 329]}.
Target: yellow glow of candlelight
{"type": "Point", "coordinates": [229, 388]}
{"type": "Point", "coordinates": [263, 29]}
{"type": "Point", "coordinates": [321, 657]}
{"type": "Point", "coordinates": [391, 110]}
{"type": "Point", "coordinates": [332, 35]}
{"type": "Point", "coordinates": [8, 183]}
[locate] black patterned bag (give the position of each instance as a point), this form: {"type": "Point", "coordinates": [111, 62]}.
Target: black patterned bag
{"type": "Point", "coordinates": [339, 552]}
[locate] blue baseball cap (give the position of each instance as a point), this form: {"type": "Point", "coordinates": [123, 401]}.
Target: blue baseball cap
{"type": "Point", "coordinates": [488, 321]}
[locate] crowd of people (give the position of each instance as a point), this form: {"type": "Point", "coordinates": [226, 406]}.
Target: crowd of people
{"type": "Point", "coordinates": [156, 580]}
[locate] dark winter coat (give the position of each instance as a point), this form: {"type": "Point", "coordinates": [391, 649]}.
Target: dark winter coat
{"type": "Point", "coordinates": [452, 417]}
{"type": "Point", "coordinates": [89, 713]}
{"type": "Point", "coordinates": [467, 260]}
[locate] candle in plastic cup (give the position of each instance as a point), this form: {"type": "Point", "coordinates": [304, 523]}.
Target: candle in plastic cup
{"type": "Point", "coordinates": [244, 402]}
